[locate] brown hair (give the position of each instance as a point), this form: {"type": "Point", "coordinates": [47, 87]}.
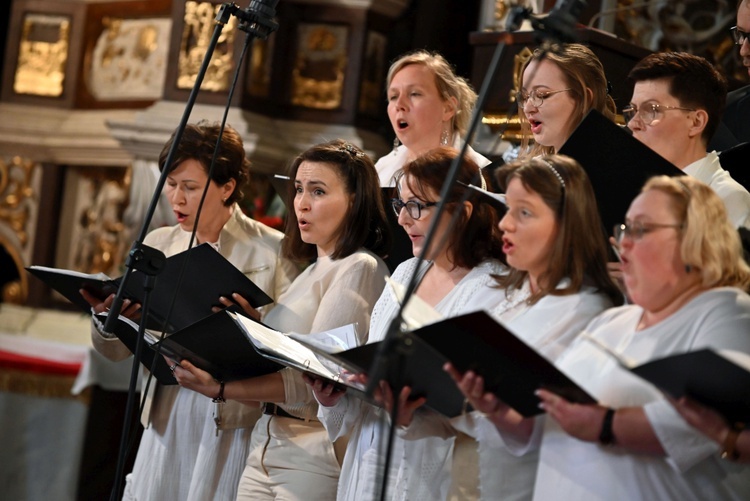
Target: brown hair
{"type": "Point", "coordinates": [579, 252]}
{"type": "Point", "coordinates": [198, 142]}
{"type": "Point", "coordinates": [365, 224]}
{"type": "Point", "coordinates": [474, 238]}
{"type": "Point", "coordinates": [692, 80]}
{"type": "Point", "coordinates": [584, 75]}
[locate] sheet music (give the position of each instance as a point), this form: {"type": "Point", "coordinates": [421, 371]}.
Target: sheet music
{"type": "Point", "coordinates": [96, 276]}
{"type": "Point", "coordinates": [331, 341]}
{"type": "Point", "coordinates": [283, 348]}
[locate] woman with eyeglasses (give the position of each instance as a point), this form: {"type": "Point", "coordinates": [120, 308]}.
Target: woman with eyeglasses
{"type": "Point", "coordinates": [339, 224]}
{"type": "Point", "coordinates": [684, 273]}
{"type": "Point", "coordinates": [556, 283]}
{"type": "Point", "coordinates": [560, 84]}
{"type": "Point", "coordinates": [456, 277]}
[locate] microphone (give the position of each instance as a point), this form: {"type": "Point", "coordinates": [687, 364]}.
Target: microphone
{"type": "Point", "coordinates": [559, 25]}
{"type": "Point", "coordinates": [257, 18]}
{"type": "Point", "coordinates": [561, 22]}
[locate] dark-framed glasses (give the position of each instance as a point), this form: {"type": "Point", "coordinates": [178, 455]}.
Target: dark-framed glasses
{"type": "Point", "coordinates": [738, 35]}
{"type": "Point", "coordinates": [637, 229]}
{"type": "Point", "coordinates": [536, 98]}
{"type": "Point", "coordinates": [649, 112]}
{"type": "Point", "coordinates": [413, 207]}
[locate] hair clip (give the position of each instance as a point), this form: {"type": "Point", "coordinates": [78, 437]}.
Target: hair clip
{"type": "Point", "coordinates": [352, 150]}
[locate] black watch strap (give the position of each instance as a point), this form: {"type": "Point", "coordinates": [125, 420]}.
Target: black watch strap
{"type": "Point", "coordinates": [607, 436]}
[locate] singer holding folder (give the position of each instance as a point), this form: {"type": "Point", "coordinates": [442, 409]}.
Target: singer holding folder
{"type": "Point", "coordinates": [180, 456]}
{"type": "Point", "coordinates": [560, 84]}
{"type": "Point", "coordinates": [684, 272]}
{"type": "Point", "coordinates": [556, 283]}
{"type": "Point", "coordinates": [455, 278]}
{"type": "Point", "coordinates": [339, 221]}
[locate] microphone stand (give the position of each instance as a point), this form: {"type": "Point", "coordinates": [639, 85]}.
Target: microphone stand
{"type": "Point", "coordinates": [256, 20]}
{"type": "Point", "coordinates": [389, 361]}
{"type": "Point", "coordinates": [390, 358]}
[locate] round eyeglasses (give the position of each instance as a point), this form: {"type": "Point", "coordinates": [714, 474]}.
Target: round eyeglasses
{"type": "Point", "coordinates": [649, 112]}
{"type": "Point", "coordinates": [413, 208]}
{"type": "Point", "coordinates": [536, 98]}
{"type": "Point", "coordinates": [637, 229]}
{"type": "Point", "coordinates": [738, 35]}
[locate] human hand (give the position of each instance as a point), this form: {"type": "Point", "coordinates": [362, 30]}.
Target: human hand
{"type": "Point", "coordinates": [472, 386]}
{"type": "Point", "coordinates": [583, 422]}
{"type": "Point", "coordinates": [191, 377]}
{"type": "Point", "coordinates": [326, 392]}
{"type": "Point", "coordinates": [704, 419]}
{"type": "Point", "coordinates": [239, 301]}
{"type": "Point", "coordinates": [406, 405]}
{"type": "Point", "coordinates": [129, 309]}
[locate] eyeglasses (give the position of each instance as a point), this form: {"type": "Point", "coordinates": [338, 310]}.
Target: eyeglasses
{"type": "Point", "coordinates": [536, 97]}
{"type": "Point", "coordinates": [637, 229]}
{"type": "Point", "coordinates": [413, 207]}
{"type": "Point", "coordinates": [649, 113]}
{"type": "Point", "coordinates": [739, 35]}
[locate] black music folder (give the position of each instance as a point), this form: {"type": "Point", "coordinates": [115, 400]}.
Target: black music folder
{"type": "Point", "coordinates": [422, 370]}
{"type": "Point", "coordinates": [708, 377]}
{"type": "Point", "coordinates": [511, 369]}
{"type": "Point", "coordinates": [127, 331]}
{"type": "Point", "coordinates": [215, 344]}
{"type": "Point", "coordinates": [219, 346]}
{"type": "Point", "coordinates": [617, 164]}
{"type": "Point", "coordinates": [736, 161]}
{"type": "Point", "coordinates": [206, 276]}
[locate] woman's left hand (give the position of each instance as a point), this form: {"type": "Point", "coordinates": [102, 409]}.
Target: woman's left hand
{"type": "Point", "coordinates": [406, 407]}
{"type": "Point", "coordinates": [583, 422]}
{"type": "Point", "coordinates": [239, 301]}
{"type": "Point", "coordinates": [191, 377]}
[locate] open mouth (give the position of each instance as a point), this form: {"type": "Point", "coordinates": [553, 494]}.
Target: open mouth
{"type": "Point", "coordinates": [536, 126]}
{"type": "Point", "coordinates": [507, 246]}
{"type": "Point", "coordinates": [402, 124]}
{"type": "Point", "coordinates": [180, 216]}
{"type": "Point", "coordinates": [303, 224]}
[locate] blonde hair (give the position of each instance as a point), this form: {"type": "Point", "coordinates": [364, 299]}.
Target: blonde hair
{"type": "Point", "coordinates": [584, 75]}
{"type": "Point", "coordinates": [447, 82]}
{"type": "Point", "coordinates": [710, 243]}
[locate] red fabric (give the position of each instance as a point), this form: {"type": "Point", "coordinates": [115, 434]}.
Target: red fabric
{"type": "Point", "coordinates": [15, 361]}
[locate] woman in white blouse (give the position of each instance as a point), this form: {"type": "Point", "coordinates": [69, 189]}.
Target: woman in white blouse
{"type": "Point", "coordinates": [428, 106]}
{"type": "Point", "coordinates": [455, 278]}
{"type": "Point", "coordinates": [684, 273]}
{"type": "Point", "coordinates": [339, 221]}
{"type": "Point", "coordinates": [556, 282]}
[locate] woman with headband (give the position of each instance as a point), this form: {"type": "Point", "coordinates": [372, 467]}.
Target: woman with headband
{"type": "Point", "coordinates": [556, 282]}
{"type": "Point", "coordinates": [684, 272]}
